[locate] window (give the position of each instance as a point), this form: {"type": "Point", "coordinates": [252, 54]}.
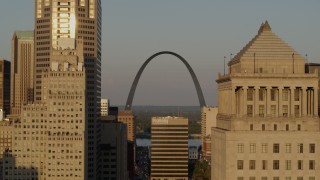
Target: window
{"type": "Point", "coordinates": [240, 148]}
{"type": "Point", "coordinates": [275, 127]}
{"type": "Point", "coordinates": [300, 148]}
{"type": "Point", "coordinates": [299, 127]}
{"type": "Point", "coordinates": [276, 164]}
{"type": "Point", "coordinates": [250, 94]}
{"type": "Point", "coordinates": [288, 178]}
{"type": "Point", "coordinates": [312, 148]}
{"type": "Point", "coordinates": [239, 178]}
{"type": "Point", "coordinates": [287, 127]}
{"type": "Point", "coordinates": [300, 178]}
{"type": "Point", "coordinates": [264, 148]}
{"type": "Point", "coordinates": [264, 164]}
{"type": "Point", "coordinates": [273, 94]}
{"type": "Point", "coordinates": [300, 164]}
{"type": "Point", "coordinates": [297, 94]}
{"type": "Point", "coordinates": [240, 164]}
{"type": "Point", "coordinates": [288, 164]}
{"type": "Point", "coordinates": [285, 94]}
{"type": "Point", "coordinates": [261, 110]}
{"type": "Point", "coordinates": [285, 110]}
{"type": "Point", "coordinates": [263, 127]}
{"type": "Point", "coordinates": [252, 148]}
{"type": "Point", "coordinates": [276, 178]}
{"type": "Point", "coordinates": [261, 94]}
{"type": "Point", "coordinates": [288, 148]}
{"type": "Point", "coordinates": [296, 110]}
{"type": "Point", "coordinates": [264, 178]}
{"type": "Point", "coordinates": [252, 178]}
{"type": "Point", "coordinates": [250, 110]}
{"type": "Point", "coordinates": [273, 110]}
{"type": "Point", "coordinates": [312, 178]}
{"type": "Point", "coordinates": [311, 164]}
{"type": "Point", "coordinates": [251, 127]}
{"type": "Point", "coordinates": [276, 148]}
{"type": "Point", "coordinates": [252, 164]}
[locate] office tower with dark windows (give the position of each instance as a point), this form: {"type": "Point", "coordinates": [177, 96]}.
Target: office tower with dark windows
{"type": "Point", "coordinates": [22, 70]}
{"type": "Point", "coordinates": [267, 122]}
{"type": "Point", "coordinates": [5, 85]}
{"type": "Point", "coordinates": [62, 22]}
{"type": "Point", "coordinates": [169, 148]}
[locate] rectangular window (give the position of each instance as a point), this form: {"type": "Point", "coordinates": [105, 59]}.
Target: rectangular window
{"type": "Point", "coordinates": [252, 148]}
{"type": "Point", "coordinates": [264, 164]}
{"type": "Point", "coordinates": [300, 178]}
{"type": "Point", "coordinates": [261, 94]}
{"type": "Point", "coordinates": [297, 94]}
{"type": "Point", "coordinates": [252, 178]}
{"type": "Point", "coordinates": [276, 164]}
{"type": "Point", "coordinates": [300, 148]}
{"type": "Point", "coordinates": [288, 164]}
{"type": "Point", "coordinates": [261, 110]}
{"type": "Point", "coordinates": [312, 178]}
{"type": "Point", "coordinates": [288, 148]}
{"type": "Point", "coordinates": [276, 178]}
{"type": "Point", "coordinates": [276, 148]}
{"type": "Point", "coordinates": [273, 94]}
{"type": "Point", "coordinates": [311, 164]}
{"type": "Point", "coordinates": [312, 148]}
{"type": "Point", "coordinates": [300, 164]}
{"type": "Point", "coordinates": [285, 94]}
{"type": "Point", "coordinates": [249, 110]}
{"type": "Point", "coordinates": [288, 178]}
{"type": "Point", "coordinates": [296, 110]}
{"type": "Point", "coordinates": [250, 94]}
{"type": "Point", "coordinates": [252, 164]}
{"type": "Point", "coordinates": [240, 148]}
{"type": "Point", "coordinates": [285, 110]}
{"type": "Point", "coordinates": [240, 164]}
{"type": "Point", "coordinates": [273, 110]}
{"type": "Point", "coordinates": [239, 178]}
{"type": "Point", "coordinates": [264, 178]}
{"type": "Point", "coordinates": [264, 148]}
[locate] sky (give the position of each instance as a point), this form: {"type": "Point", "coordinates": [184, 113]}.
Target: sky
{"type": "Point", "coordinates": [201, 31]}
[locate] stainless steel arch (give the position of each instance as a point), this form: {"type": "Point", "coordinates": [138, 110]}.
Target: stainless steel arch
{"type": "Point", "coordinates": [136, 79]}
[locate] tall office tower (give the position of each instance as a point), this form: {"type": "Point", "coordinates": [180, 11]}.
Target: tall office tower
{"type": "Point", "coordinates": [61, 20]}
{"type": "Point", "coordinates": [22, 69]}
{"type": "Point", "coordinates": [208, 121]}
{"type": "Point", "coordinates": [51, 135]}
{"type": "Point", "coordinates": [113, 150]}
{"type": "Point", "coordinates": [267, 124]}
{"type": "Point", "coordinates": [169, 148]}
{"type": "Point", "coordinates": [104, 107]}
{"type": "Point", "coordinates": [5, 85]}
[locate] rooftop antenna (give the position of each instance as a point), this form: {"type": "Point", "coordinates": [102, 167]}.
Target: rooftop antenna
{"type": "Point", "coordinates": [293, 63]}
{"type": "Point", "coordinates": [224, 65]}
{"type": "Point", "coordinates": [230, 60]}
{"type": "Point", "coordinates": [307, 63]}
{"type": "Point", "coordinates": [254, 63]}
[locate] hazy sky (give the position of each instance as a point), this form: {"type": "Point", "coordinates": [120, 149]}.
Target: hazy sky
{"type": "Point", "coordinates": [202, 31]}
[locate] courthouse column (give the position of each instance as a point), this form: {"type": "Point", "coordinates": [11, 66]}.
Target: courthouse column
{"type": "Point", "coordinates": [304, 101]}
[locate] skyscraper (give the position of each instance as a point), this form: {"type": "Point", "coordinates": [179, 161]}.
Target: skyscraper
{"type": "Point", "coordinates": [5, 85]}
{"type": "Point", "coordinates": [267, 124]}
{"type": "Point", "coordinates": [61, 22]}
{"type": "Point", "coordinates": [105, 107]}
{"type": "Point", "coordinates": [208, 121]}
{"type": "Point", "coordinates": [169, 148]}
{"type": "Point", "coordinates": [22, 69]}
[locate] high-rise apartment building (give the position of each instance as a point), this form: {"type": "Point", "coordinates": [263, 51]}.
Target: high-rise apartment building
{"type": "Point", "coordinates": [61, 22]}
{"type": "Point", "coordinates": [5, 85]}
{"type": "Point", "coordinates": [169, 148]}
{"type": "Point", "coordinates": [105, 107]}
{"type": "Point", "coordinates": [267, 124]}
{"type": "Point", "coordinates": [127, 117]}
{"type": "Point", "coordinates": [22, 70]}
{"type": "Point", "coordinates": [208, 121]}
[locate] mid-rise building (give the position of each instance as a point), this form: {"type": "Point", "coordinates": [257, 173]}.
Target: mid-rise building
{"type": "Point", "coordinates": [169, 148]}
{"type": "Point", "coordinates": [63, 21]}
{"type": "Point", "coordinates": [5, 85]}
{"type": "Point", "coordinates": [22, 70]}
{"type": "Point", "coordinates": [267, 124]}
{"type": "Point", "coordinates": [208, 121]}
{"type": "Point", "coordinates": [113, 150]}
{"type": "Point", "coordinates": [104, 107]}
{"type": "Point", "coordinates": [127, 117]}
{"type": "Point", "coordinates": [193, 153]}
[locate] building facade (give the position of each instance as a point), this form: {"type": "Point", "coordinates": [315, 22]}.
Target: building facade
{"type": "Point", "coordinates": [5, 85]}
{"type": "Point", "coordinates": [169, 148]}
{"type": "Point", "coordinates": [208, 121]}
{"type": "Point", "coordinates": [267, 124]}
{"type": "Point", "coordinates": [22, 69]}
{"type": "Point", "coordinates": [61, 22]}
{"type": "Point", "coordinates": [105, 107]}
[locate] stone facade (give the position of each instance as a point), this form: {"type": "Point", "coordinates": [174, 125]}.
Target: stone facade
{"type": "Point", "coordinates": [267, 124]}
{"type": "Point", "coordinates": [208, 121]}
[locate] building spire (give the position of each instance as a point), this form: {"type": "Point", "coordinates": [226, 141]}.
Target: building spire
{"type": "Point", "coordinates": [264, 27]}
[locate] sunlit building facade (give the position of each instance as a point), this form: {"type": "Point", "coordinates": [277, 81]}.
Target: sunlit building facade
{"type": "Point", "coordinates": [5, 67]}
{"type": "Point", "coordinates": [208, 121]}
{"type": "Point", "coordinates": [267, 122]}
